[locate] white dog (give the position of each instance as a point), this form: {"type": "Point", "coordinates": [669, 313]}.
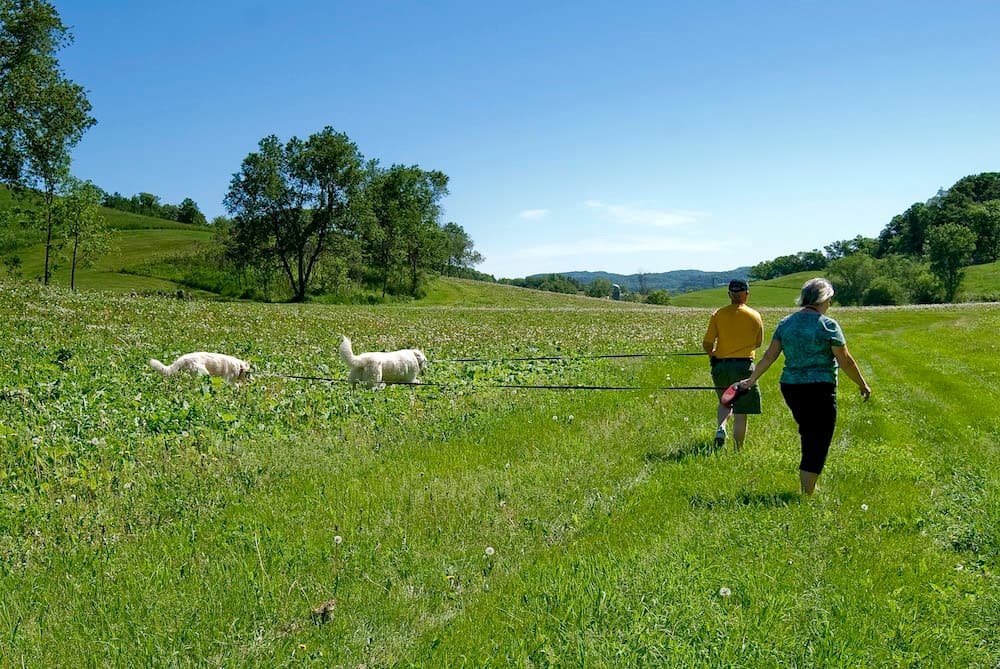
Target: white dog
{"type": "Point", "coordinates": [374, 368]}
{"type": "Point", "coordinates": [229, 368]}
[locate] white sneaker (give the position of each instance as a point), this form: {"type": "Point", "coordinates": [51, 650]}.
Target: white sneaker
{"type": "Point", "coordinates": [720, 436]}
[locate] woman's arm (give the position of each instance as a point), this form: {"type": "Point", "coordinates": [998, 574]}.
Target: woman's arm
{"type": "Point", "coordinates": [850, 367]}
{"type": "Point", "coordinates": [766, 360]}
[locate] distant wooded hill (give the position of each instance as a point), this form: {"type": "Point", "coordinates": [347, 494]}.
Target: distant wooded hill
{"type": "Point", "coordinates": [675, 281]}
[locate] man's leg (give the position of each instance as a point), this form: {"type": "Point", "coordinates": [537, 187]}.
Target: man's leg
{"type": "Point", "coordinates": [722, 415]}
{"type": "Point", "coordinates": [739, 429]}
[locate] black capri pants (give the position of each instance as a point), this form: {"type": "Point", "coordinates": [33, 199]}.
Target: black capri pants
{"type": "Point", "coordinates": [814, 407]}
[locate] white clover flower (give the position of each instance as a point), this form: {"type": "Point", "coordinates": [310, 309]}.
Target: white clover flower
{"type": "Point", "coordinates": [959, 567]}
{"type": "Point", "coordinates": [337, 539]}
{"type": "Point", "coordinates": [503, 504]}
{"type": "Point", "coordinates": [490, 551]}
{"type": "Point", "coordinates": [864, 507]}
{"type": "Point", "coordinates": [570, 418]}
{"type": "Point", "coordinates": [725, 592]}
{"type": "Point", "coordinates": [555, 418]}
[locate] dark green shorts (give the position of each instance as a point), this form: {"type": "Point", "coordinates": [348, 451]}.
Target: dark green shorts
{"type": "Point", "coordinates": [727, 372]}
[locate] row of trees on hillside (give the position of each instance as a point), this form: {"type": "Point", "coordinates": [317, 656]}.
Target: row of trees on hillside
{"type": "Point", "coordinates": [919, 257]}
{"type": "Point", "coordinates": [295, 204]}
{"type": "Point", "coordinates": [148, 204]}
{"type": "Point", "coordinates": [598, 287]}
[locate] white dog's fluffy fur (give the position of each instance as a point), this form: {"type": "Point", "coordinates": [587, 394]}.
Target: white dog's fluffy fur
{"type": "Point", "coordinates": [225, 366]}
{"type": "Point", "coordinates": [374, 368]}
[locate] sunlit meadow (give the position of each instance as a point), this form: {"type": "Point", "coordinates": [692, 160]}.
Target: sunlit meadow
{"type": "Point", "coordinates": [147, 521]}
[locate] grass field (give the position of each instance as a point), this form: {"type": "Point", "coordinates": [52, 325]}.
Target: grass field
{"type": "Point", "coordinates": [147, 521]}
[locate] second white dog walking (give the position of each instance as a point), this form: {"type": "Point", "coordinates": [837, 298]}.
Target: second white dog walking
{"type": "Point", "coordinates": [230, 368]}
{"type": "Point", "coordinates": [377, 367]}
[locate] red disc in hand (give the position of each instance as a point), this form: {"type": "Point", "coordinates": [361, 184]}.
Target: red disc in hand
{"type": "Point", "coordinates": [730, 395]}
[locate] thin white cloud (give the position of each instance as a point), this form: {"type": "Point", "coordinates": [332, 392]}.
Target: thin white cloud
{"type": "Point", "coordinates": [628, 215]}
{"type": "Point", "coordinates": [533, 214]}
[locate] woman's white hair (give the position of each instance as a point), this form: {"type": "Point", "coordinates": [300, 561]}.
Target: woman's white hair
{"type": "Point", "coordinates": [815, 291]}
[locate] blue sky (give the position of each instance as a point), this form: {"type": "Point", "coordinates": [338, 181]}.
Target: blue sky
{"type": "Point", "coordinates": [616, 136]}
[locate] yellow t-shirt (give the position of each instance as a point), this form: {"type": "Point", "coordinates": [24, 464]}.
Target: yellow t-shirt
{"type": "Point", "coordinates": [736, 331]}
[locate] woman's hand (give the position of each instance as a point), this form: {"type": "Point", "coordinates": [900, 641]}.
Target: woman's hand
{"type": "Point", "coordinates": [866, 391]}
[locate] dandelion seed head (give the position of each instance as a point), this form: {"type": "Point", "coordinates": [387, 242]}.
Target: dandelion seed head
{"type": "Point", "coordinates": [725, 592]}
{"type": "Point", "coordinates": [864, 507]}
{"type": "Point", "coordinates": [337, 539]}
{"type": "Point", "coordinates": [490, 551]}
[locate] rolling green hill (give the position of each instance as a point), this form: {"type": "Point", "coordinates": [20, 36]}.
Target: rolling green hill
{"type": "Point", "coordinates": [981, 284]}
{"type": "Point", "coordinates": [139, 243]}
{"type": "Point", "coordinates": [780, 292]}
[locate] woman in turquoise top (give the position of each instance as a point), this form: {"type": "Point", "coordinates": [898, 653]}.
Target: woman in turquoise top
{"type": "Point", "coordinates": [814, 347]}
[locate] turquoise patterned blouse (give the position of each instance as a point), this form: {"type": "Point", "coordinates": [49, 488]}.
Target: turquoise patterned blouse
{"type": "Point", "coordinates": [806, 339]}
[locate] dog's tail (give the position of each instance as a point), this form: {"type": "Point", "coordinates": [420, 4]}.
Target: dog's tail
{"type": "Point", "coordinates": [347, 353]}
{"type": "Point", "coordinates": [161, 368]}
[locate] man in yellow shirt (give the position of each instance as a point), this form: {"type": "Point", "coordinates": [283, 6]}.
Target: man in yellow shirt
{"type": "Point", "coordinates": [733, 336]}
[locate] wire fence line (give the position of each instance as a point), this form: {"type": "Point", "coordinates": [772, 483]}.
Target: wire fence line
{"type": "Point", "coordinates": [529, 386]}
{"type": "Point", "coordinates": [566, 357]}
{"type": "Point", "coordinates": [431, 384]}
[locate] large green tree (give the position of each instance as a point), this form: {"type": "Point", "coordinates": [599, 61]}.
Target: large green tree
{"type": "Point", "coordinates": [188, 212]}
{"type": "Point", "coordinates": [403, 234]}
{"type": "Point", "coordinates": [43, 115]}
{"type": "Point", "coordinates": [949, 249]}
{"type": "Point", "coordinates": [852, 276]}
{"type": "Point", "coordinates": [984, 221]}
{"type": "Point", "coordinates": [460, 250]}
{"type": "Point", "coordinates": [78, 213]}
{"type": "Point", "coordinates": [289, 201]}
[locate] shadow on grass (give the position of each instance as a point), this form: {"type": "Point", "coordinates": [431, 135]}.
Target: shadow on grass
{"type": "Point", "coordinates": [755, 499]}
{"type": "Point", "coordinates": [690, 450]}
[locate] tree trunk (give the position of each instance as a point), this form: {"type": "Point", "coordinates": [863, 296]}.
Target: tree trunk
{"type": "Point", "coordinates": [72, 267]}
{"type": "Point", "coordinates": [49, 196]}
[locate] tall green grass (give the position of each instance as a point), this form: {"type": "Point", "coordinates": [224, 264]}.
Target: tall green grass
{"type": "Point", "coordinates": [147, 521]}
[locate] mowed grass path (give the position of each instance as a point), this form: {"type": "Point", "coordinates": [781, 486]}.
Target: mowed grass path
{"type": "Point", "coordinates": [177, 522]}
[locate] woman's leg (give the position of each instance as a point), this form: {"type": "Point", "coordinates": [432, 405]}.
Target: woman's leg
{"type": "Point", "coordinates": [814, 407]}
{"type": "Point", "coordinates": [807, 481]}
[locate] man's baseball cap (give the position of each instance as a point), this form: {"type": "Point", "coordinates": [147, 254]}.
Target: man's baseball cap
{"type": "Point", "coordinates": [738, 285]}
